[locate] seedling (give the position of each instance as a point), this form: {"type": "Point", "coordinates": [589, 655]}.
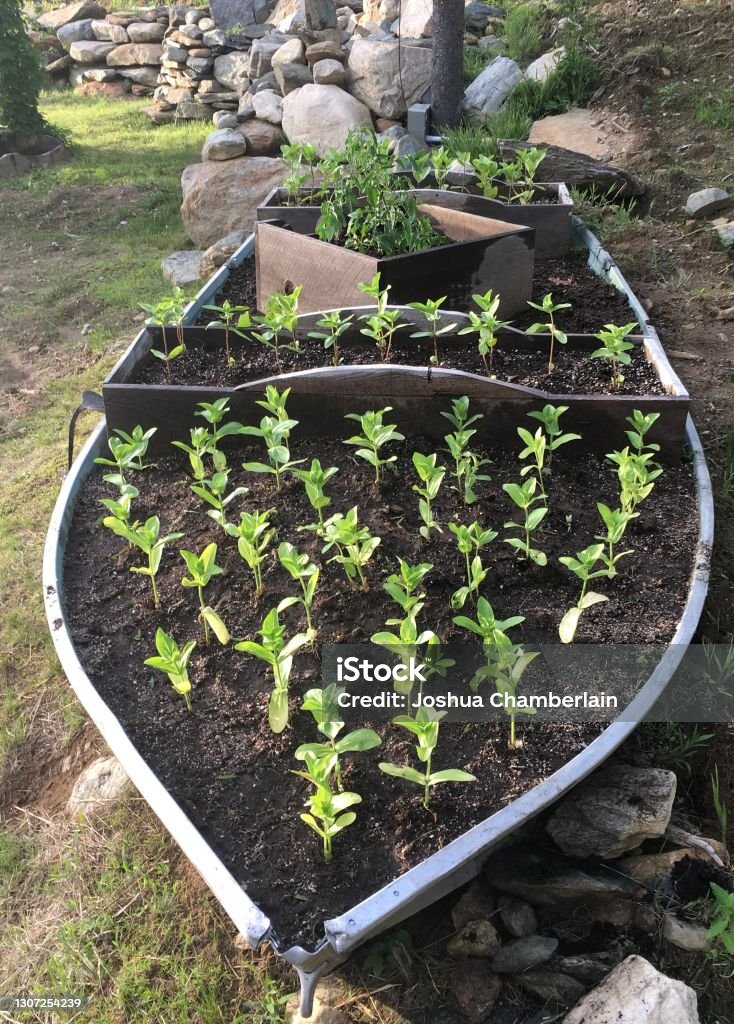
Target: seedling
{"type": "Point", "coordinates": [535, 447]}
{"type": "Point", "coordinates": [233, 320]}
{"type": "Point", "coordinates": [200, 447]}
{"type": "Point", "coordinates": [470, 539]}
{"type": "Point", "coordinates": [146, 537]}
{"type": "Point", "coordinates": [275, 434]}
{"type": "Point", "coordinates": [375, 434]}
{"type": "Point", "coordinates": [615, 350]}
{"type": "Point", "coordinates": [280, 315]}
{"type": "Point", "coordinates": [583, 565]}
{"type": "Point", "coordinates": [402, 588]}
{"type": "Point", "coordinates": [294, 156]}
{"type": "Point", "coordinates": [486, 325]}
{"type": "Point", "coordinates": [205, 442]}
{"type": "Point", "coordinates": [324, 707]}
{"type": "Point", "coordinates": [173, 662]}
{"type": "Point", "coordinates": [636, 471]}
{"type": "Point", "coordinates": [383, 324]}
{"type": "Point", "coordinates": [549, 307]}
{"type": "Point", "coordinates": [278, 653]}
{"type": "Point", "coordinates": [119, 511]}
{"type": "Point", "coordinates": [204, 568]}
{"type": "Point", "coordinates": [616, 521]}
{"type": "Point", "coordinates": [300, 568]}
{"type": "Point", "coordinates": [441, 160]}
{"type": "Point", "coordinates": [214, 492]}
{"type": "Point", "coordinates": [167, 311]}
{"type": "Point", "coordinates": [335, 325]}
{"type": "Point", "coordinates": [328, 810]}
{"type": "Point", "coordinates": [425, 728]}
{"type": "Point", "coordinates": [467, 464]}
{"type": "Point", "coordinates": [525, 497]}
{"type": "Point", "coordinates": [641, 424]}
{"type": "Point", "coordinates": [487, 169]}
{"type": "Point", "coordinates": [127, 454]}
{"type": "Point", "coordinates": [254, 535]}
{"type": "Point", "coordinates": [550, 416]}
{"type": "Point", "coordinates": [355, 545]}
{"type": "Point", "coordinates": [431, 476]}
{"type": "Point", "coordinates": [314, 480]}
{"type": "Point", "coordinates": [138, 439]}
{"type": "Point", "coordinates": [722, 925]}
{"type": "Point", "coordinates": [432, 312]}
{"type": "Point", "coordinates": [420, 165]}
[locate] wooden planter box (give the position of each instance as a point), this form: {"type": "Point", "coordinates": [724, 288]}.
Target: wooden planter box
{"type": "Point", "coordinates": [485, 254]}
{"type": "Point", "coordinates": [552, 220]}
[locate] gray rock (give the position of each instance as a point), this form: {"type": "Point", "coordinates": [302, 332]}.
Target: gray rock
{"type": "Point", "coordinates": [546, 879]}
{"type": "Point", "coordinates": [176, 53]}
{"type": "Point", "coordinates": [60, 64]}
{"type": "Point", "coordinates": [231, 69]}
{"type": "Point", "coordinates": [613, 811]}
{"type": "Point", "coordinates": [54, 20]}
{"type": "Point", "coordinates": [262, 137]}
{"type": "Point", "coordinates": [292, 76]}
{"type": "Point", "coordinates": [492, 43]}
{"type": "Point", "coordinates": [686, 935]}
{"type": "Point", "coordinates": [476, 904]}
{"type": "Point", "coordinates": [221, 196]}
{"type": "Point", "coordinates": [518, 917]}
{"type": "Point", "coordinates": [145, 32]}
{"type": "Point", "coordinates": [292, 52]}
{"type": "Point", "coordinates": [542, 68]}
{"type": "Point", "coordinates": [229, 13]}
{"type": "Point", "coordinates": [636, 993]}
{"type": "Point", "coordinates": [416, 19]}
{"type": "Point", "coordinates": [135, 53]}
{"type": "Point", "coordinates": [268, 106]}
{"type": "Point", "coordinates": [101, 74]}
{"type": "Point", "coordinates": [327, 50]}
{"type": "Point", "coordinates": [215, 38]}
{"type": "Point", "coordinates": [265, 83]}
{"type": "Point", "coordinates": [85, 52]}
{"type": "Point", "coordinates": [522, 954]}
{"type": "Point", "coordinates": [475, 989]}
{"type": "Point", "coordinates": [206, 24]}
{"type": "Point", "coordinates": [477, 16]}
{"type": "Point", "coordinates": [329, 72]}
{"type": "Point", "coordinates": [106, 32]}
{"type": "Point", "coordinates": [223, 144]}
{"type": "Point", "coordinates": [200, 65]}
{"type": "Point", "coordinates": [190, 32]}
{"type": "Point", "coordinates": [263, 9]}
{"type": "Point", "coordinates": [726, 234]}
{"type": "Point", "coordinates": [261, 57]}
{"type": "Point", "coordinates": [319, 14]}
{"type": "Point", "coordinates": [188, 110]}
{"type": "Point", "coordinates": [322, 115]}
{"type": "Point", "coordinates": [707, 201]}
{"type": "Point", "coordinates": [193, 17]}
{"type": "Point", "coordinates": [142, 76]}
{"type": "Point", "coordinates": [551, 986]}
{"type": "Point", "coordinates": [224, 119]}
{"type": "Point", "coordinates": [590, 968]}
{"type": "Point", "coordinates": [182, 268]}
{"type": "Point", "coordinates": [102, 782]}
{"type": "Point", "coordinates": [388, 77]}
{"type": "Point", "coordinates": [75, 32]}
{"type": "Point", "coordinates": [491, 88]}
{"type": "Point", "coordinates": [476, 939]}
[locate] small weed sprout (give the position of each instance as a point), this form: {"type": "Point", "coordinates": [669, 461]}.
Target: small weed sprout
{"type": "Point", "coordinates": [354, 543]}
{"type": "Point", "coordinates": [431, 310]}
{"type": "Point", "coordinates": [467, 464]}
{"type": "Point", "coordinates": [486, 325]}
{"type": "Point", "coordinates": [314, 480]}
{"type": "Point", "coordinates": [431, 477]}
{"type": "Point", "coordinates": [583, 565]}
{"type": "Point", "coordinates": [550, 308]}
{"type": "Point", "coordinates": [254, 535]}
{"type": "Point", "coordinates": [148, 539]}
{"type": "Point", "coordinates": [166, 312]}
{"type": "Point", "coordinates": [334, 326]}
{"type": "Point", "coordinates": [300, 568]}
{"type": "Point", "coordinates": [550, 416]}
{"type": "Point", "coordinates": [375, 434]}
{"type": "Point", "coordinates": [425, 729]}
{"type": "Point", "coordinates": [383, 324]}
{"type": "Point", "coordinates": [213, 491]}
{"type": "Point", "coordinates": [524, 497]}
{"type": "Point", "coordinates": [615, 350]}
{"type": "Point", "coordinates": [470, 540]}
{"type": "Point", "coordinates": [278, 653]}
{"type": "Point", "coordinates": [328, 811]}
{"type": "Point", "coordinates": [323, 705]}
{"type": "Point", "coordinates": [174, 662]}
{"type": "Point", "coordinates": [233, 320]}
{"type": "Point", "coordinates": [204, 568]}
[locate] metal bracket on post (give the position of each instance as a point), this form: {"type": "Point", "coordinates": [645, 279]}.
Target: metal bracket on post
{"type": "Point", "coordinates": [419, 119]}
{"type": "Point", "coordinates": [91, 401]}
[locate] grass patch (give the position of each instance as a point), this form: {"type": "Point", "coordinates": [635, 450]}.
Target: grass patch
{"type": "Point", "coordinates": [523, 30]}
{"type": "Point", "coordinates": [716, 110]}
{"type": "Point", "coordinates": [476, 59]}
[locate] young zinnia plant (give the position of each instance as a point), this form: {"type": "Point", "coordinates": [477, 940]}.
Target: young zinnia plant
{"type": "Point", "coordinates": [486, 325]}
{"type": "Point", "coordinates": [323, 705]}
{"type": "Point", "coordinates": [524, 497]}
{"type": "Point", "coordinates": [254, 534]}
{"type": "Point", "coordinates": [166, 312]}
{"type": "Point", "coordinates": [128, 452]}
{"type": "Point", "coordinates": [213, 491]}
{"type": "Point", "coordinates": [616, 522]}
{"type": "Point", "coordinates": [431, 477]}
{"type": "Point", "coordinates": [375, 434]}
{"type": "Point", "coordinates": [470, 539]}
{"type": "Point", "coordinates": [280, 317]}
{"type": "Point", "coordinates": [584, 566]}
{"type": "Point", "coordinates": [557, 336]}
{"type": "Point", "coordinates": [277, 652]}
{"type": "Point", "coordinates": [550, 416]}
{"type": "Point", "coordinates": [328, 812]}
{"type": "Point", "coordinates": [234, 320]}
{"type": "Point", "coordinates": [314, 480]}
{"type": "Point", "coordinates": [431, 310]}
{"type": "Point", "coordinates": [146, 537]}
{"type": "Point", "coordinates": [174, 662]}
{"type": "Point", "coordinates": [334, 326]}
{"type": "Point", "coordinates": [615, 350]}
{"type": "Point", "coordinates": [354, 543]}
{"type": "Point", "coordinates": [467, 464]}
{"type": "Point", "coordinates": [300, 568]}
{"type": "Point", "coordinates": [383, 323]}
{"type": "Point", "coordinates": [204, 568]}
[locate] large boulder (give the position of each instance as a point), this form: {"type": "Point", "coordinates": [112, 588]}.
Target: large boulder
{"type": "Point", "coordinates": [291, 77]}
{"type": "Point", "coordinates": [222, 196]}
{"type": "Point", "coordinates": [613, 811]}
{"type": "Point", "coordinates": [388, 77]}
{"type": "Point", "coordinates": [636, 993]}
{"type": "Point", "coordinates": [75, 32]}
{"type": "Point", "coordinates": [268, 106]}
{"type": "Point", "coordinates": [147, 76]}
{"type": "Point", "coordinates": [416, 19]}
{"type": "Point", "coordinates": [378, 10]}
{"type": "Point", "coordinates": [228, 14]}
{"type": "Point", "coordinates": [231, 70]}
{"type": "Point", "coordinates": [145, 32]}
{"type": "Point", "coordinates": [322, 115]}
{"type": "Point", "coordinates": [261, 56]}
{"type": "Point", "coordinates": [106, 32]}
{"type": "Point", "coordinates": [182, 268]}
{"type": "Point", "coordinates": [85, 52]}
{"type": "Point", "coordinates": [130, 54]}
{"type": "Point", "coordinates": [54, 20]}
{"type": "Point", "coordinates": [292, 52]}
{"type": "Point", "coordinates": [329, 72]}
{"type": "Point", "coordinates": [490, 89]}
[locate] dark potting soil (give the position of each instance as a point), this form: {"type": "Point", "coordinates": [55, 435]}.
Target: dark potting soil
{"type": "Point", "coordinates": [574, 372]}
{"type": "Point", "coordinates": [221, 762]}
